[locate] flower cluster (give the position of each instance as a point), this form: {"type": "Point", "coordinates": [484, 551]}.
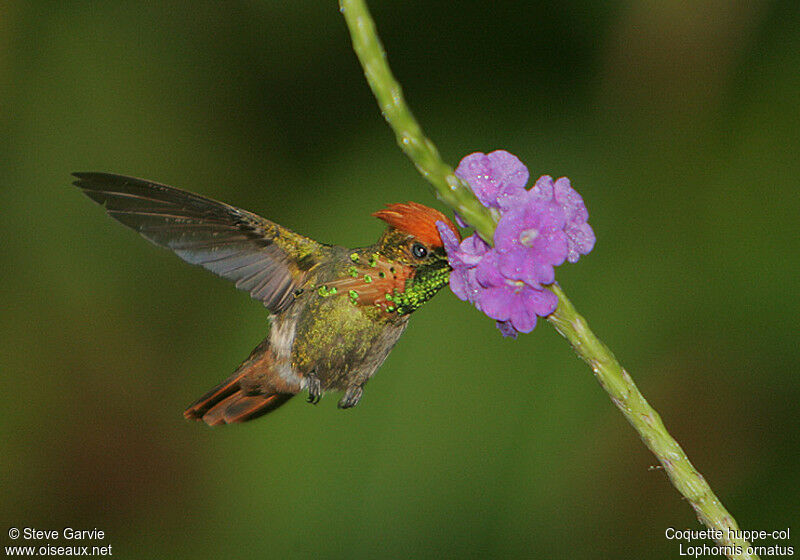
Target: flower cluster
{"type": "Point", "coordinates": [537, 230]}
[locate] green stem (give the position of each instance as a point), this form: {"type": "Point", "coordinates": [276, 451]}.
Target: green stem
{"type": "Point", "coordinates": [626, 396]}
{"type": "Point", "coordinates": [447, 187]}
{"type": "Point", "coordinates": [608, 371]}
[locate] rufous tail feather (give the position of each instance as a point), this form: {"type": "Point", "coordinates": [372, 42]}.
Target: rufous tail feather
{"type": "Point", "coordinates": [234, 400]}
{"type": "Point", "coordinates": [228, 403]}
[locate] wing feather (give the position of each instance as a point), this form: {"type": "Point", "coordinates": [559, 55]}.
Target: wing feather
{"type": "Point", "coordinates": [259, 256]}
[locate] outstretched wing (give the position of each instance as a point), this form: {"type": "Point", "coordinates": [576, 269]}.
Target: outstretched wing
{"type": "Point", "coordinates": [261, 257]}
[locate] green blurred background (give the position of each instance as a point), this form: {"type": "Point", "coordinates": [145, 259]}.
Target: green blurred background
{"type": "Point", "coordinates": [678, 121]}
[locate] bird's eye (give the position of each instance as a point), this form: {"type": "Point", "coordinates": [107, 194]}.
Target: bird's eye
{"type": "Point", "coordinates": [419, 250]}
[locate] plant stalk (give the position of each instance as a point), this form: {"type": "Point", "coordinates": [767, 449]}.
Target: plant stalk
{"type": "Point", "coordinates": [610, 374]}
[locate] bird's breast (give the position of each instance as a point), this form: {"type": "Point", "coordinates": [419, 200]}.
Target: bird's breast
{"type": "Point", "coordinates": [341, 342]}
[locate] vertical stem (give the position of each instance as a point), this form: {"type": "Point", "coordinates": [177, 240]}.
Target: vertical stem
{"type": "Point", "coordinates": [410, 137]}
{"type": "Point", "coordinates": [646, 421]}
{"type": "Point", "coordinates": [608, 371]}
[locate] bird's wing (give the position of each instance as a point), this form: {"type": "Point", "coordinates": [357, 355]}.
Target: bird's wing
{"type": "Point", "coordinates": [261, 257]}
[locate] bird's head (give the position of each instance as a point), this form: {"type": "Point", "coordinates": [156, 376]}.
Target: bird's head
{"type": "Point", "coordinates": [412, 238]}
{"type": "Point", "coordinates": [412, 241]}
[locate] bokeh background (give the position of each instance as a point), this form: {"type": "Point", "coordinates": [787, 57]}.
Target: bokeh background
{"type": "Point", "coordinates": [678, 121]}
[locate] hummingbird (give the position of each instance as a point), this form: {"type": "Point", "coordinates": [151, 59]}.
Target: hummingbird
{"type": "Point", "coordinates": [334, 313]}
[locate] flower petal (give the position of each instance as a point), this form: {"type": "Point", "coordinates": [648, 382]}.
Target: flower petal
{"type": "Point", "coordinates": [497, 303]}
{"type": "Point", "coordinates": [473, 248]}
{"type": "Point", "coordinates": [543, 274]}
{"type": "Point", "coordinates": [552, 249]}
{"type": "Point", "coordinates": [543, 189]}
{"type": "Point", "coordinates": [459, 284]}
{"type": "Point", "coordinates": [537, 271]}
{"type": "Point", "coordinates": [487, 271]}
{"type": "Point", "coordinates": [513, 264]}
{"type": "Point", "coordinates": [509, 171]}
{"type": "Point", "coordinates": [541, 302]}
{"type": "Point", "coordinates": [448, 236]}
{"type": "Point", "coordinates": [523, 319]}
{"type": "Point", "coordinates": [551, 215]}
{"type": "Point", "coordinates": [507, 232]}
{"type": "Point", "coordinates": [493, 176]}
{"type": "Point", "coordinates": [581, 240]}
{"type": "Point", "coordinates": [569, 199]}
{"type": "Point", "coordinates": [476, 170]}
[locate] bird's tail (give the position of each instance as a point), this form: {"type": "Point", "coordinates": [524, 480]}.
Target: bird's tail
{"type": "Point", "coordinates": [228, 403]}
{"type": "Point", "coordinates": [231, 402]}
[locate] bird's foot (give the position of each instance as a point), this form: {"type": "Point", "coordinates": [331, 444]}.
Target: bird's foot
{"type": "Point", "coordinates": [314, 389]}
{"type": "Point", "coordinates": [351, 396]}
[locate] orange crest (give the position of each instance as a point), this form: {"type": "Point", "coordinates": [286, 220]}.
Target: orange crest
{"type": "Point", "coordinates": [417, 220]}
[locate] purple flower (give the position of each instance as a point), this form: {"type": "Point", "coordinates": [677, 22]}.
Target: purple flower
{"type": "Point", "coordinates": [530, 240]}
{"type": "Point", "coordinates": [449, 240]}
{"type": "Point", "coordinates": [476, 277]}
{"type": "Point", "coordinates": [511, 302]}
{"type": "Point", "coordinates": [494, 176]}
{"type": "Point", "coordinates": [464, 258]}
{"type": "Point", "coordinates": [580, 237]}
{"type": "Point", "coordinates": [537, 230]}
